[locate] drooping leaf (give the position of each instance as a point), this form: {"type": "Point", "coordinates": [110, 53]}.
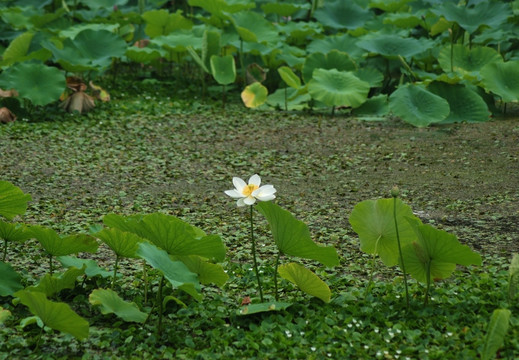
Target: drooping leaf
{"type": "Point", "coordinates": [373, 221]}
{"type": "Point", "coordinates": [10, 281]}
{"type": "Point", "coordinates": [461, 58]}
{"type": "Point", "coordinates": [254, 95]}
{"type": "Point", "coordinates": [333, 60]}
{"type": "Point", "coordinates": [207, 272]}
{"type": "Point", "coordinates": [111, 303]}
{"type": "Point", "coordinates": [435, 253]}
{"type": "Point", "coordinates": [253, 27]}
{"type": "Point", "coordinates": [161, 22]}
{"type": "Point", "coordinates": [58, 246]}
{"type": "Point", "coordinates": [392, 45]}
{"type": "Point", "coordinates": [174, 271]}
{"type": "Point", "coordinates": [496, 332]}
{"type": "Point", "coordinates": [289, 77]}
{"type": "Point", "coordinates": [179, 41]}
{"type": "Point", "coordinates": [13, 201]}
{"type": "Point", "coordinates": [124, 223]}
{"type": "Point", "coordinates": [465, 104]}
{"type": "Point", "coordinates": [223, 69]}
{"type": "Point", "coordinates": [305, 280]}
{"type": "Point", "coordinates": [53, 284]}
{"type": "Point", "coordinates": [90, 266]}
{"type": "Point", "coordinates": [339, 14]}
{"type": "Point", "coordinates": [338, 88]}
{"type": "Point", "coordinates": [417, 106]}
{"type": "Point", "coordinates": [502, 79]}
{"type": "Point", "coordinates": [56, 315]}
{"type": "Point", "coordinates": [13, 232]}
{"type": "Point", "coordinates": [292, 236]}
{"type": "Point", "coordinates": [124, 244]}
{"type": "Point", "coordinates": [263, 307]}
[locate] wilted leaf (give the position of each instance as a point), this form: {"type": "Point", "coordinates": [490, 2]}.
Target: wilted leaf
{"type": "Point", "coordinates": [8, 93]}
{"type": "Point", "coordinates": [75, 84]}
{"type": "Point", "coordinates": [78, 101]}
{"type": "Point", "coordinates": [254, 95]}
{"type": "Point", "coordinates": [99, 92]}
{"type": "Point", "coordinates": [6, 115]}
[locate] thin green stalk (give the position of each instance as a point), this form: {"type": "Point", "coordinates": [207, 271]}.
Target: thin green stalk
{"type": "Point", "coordinates": [276, 295]}
{"type": "Point", "coordinates": [115, 271]}
{"type": "Point", "coordinates": [260, 287]}
{"type": "Point", "coordinates": [145, 278]}
{"type": "Point", "coordinates": [5, 250]}
{"type": "Point", "coordinates": [39, 339]}
{"type": "Point", "coordinates": [400, 251]}
{"type": "Point", "coordinates": [160, 303]}
{"type": "Point", "coordinates": [428, 275]}
{"type": "Point", "coordinates": [370, 283]}
{"type": "Point", "coordinates": [51, 267]}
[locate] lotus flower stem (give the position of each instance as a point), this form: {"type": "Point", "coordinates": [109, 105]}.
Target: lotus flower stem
{"type": "Point", "coordinates": [394, 193]}
{"type": "Point", "coordinates": [255, 262]}
{"type": "Point", "coordinates": [115, 271]}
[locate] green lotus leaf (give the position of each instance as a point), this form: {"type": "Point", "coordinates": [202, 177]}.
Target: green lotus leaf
{"type": "Point", "coordinates": [56, 315]}
{"type": "Point", "coordinates": [174, 271]}
{"type": "Point", "coordinates": [373, 221]}
{"type": "Point", "coordinates": [219, 7]}
{"type": "Point", "coordinates": [467, 59]}
{"type": "Point", "coordinates": [288, 99]}
{"type": "Point", "coordinates": [10, 281]}
{"type": "Point", "coordinates": [111, 303]}
{"type": "Point", "coordinates": [207, 272]}
{"type": "Point", "coordinates": [471, 17]}
{"type": "Point", "coordinates": [343, 43]}
{"type": "Point", "coordinates": [58, 246]}
{"type": "Point", "coordinates": [283, 9]}
{"type": "Point", "coordinates": [263, 307]}
{"type": "Point", "coordinates": [333, 60]}
{"type": "Point", "coordinates": [4, 315]}
{"type": "Point", "coordinates": [370, 75]}
{"type": "Point", "coordinates": [465, 104]}
{"type": "Point", "coordinates": [305, 280]}
{"type": "Point", "coordinates": [392, 45]}
{"type": "Point", "coordinates": [496, 332]}
{"type": "Point", "coordinates": [254, 95]}
{"type": "Point", "coordinates": [161, 22]}
{"type": "Point", "coordinates": [124, 223]}
{"type": "Point", "coordinates": [338, 88]}
{"type": "Point", "coordinates": [17, 49]}
{"type": "Point", "coordinates": [100, 4]}
{"type": "Point", "coordinates": [289, 77]}
{"type": "Point", "coordinates": [35, 82]}
{"type": "Point", "coordinates": [342, 15]}
{"type": "Point", "coordinates": [502, 79]}
{"type": "Point", "coordinates": [435, 253]}
{"type": "Point", "coordinates": [90, 266]}
{"type": "Point", "coordinates": [179, 41]}
{"type": "Point", "coordinates": [124, 244]}
{"type": "Point", "coordinates": [13, 201]}
{"type": "Point", "coordinates": [375, 108]}
{"type": "Point", "coordinates": [211, 45]}
{"type": "Point", "coordinates": [223, 69]}
{"type": "Point", "coordinates": [53, 284]}
{"type": "Point", "coordinates": [417, 106]}
{"type": "Point", "coordinates": [253, 27]}
{"type": "Point", "coordinates": [13, 232]}
{"type": "Point", "coordinates": [403, 20]}
{"type": "Point", "coordinates": [292, 236]}
{"type": "Point", "coordinates": [143, 55]}
{"type": "Point", "coordinates": [72, 31]}
{"type": "Point", "coordinates": [388, 5]}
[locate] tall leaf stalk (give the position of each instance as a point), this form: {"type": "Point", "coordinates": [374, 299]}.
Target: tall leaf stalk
{"type": "Point", "coordinates": [395, 193]}
{"type": "Point", "coordinates": [255, 262]}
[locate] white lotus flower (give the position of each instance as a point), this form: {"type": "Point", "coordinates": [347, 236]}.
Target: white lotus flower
{"type": "Point", "coordinates": [247, 194]}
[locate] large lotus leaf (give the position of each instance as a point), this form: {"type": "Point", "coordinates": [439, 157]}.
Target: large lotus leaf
{"type": "Point", "coordinates": [143, 55]}
{"type": "Point", "coordinates": [403, 20]}
{"type": "Point", "coordinates": [298, 33]}
{"type": "Point", "coordinates": [254, 95]}
{"type": "Point", "coordinates": [496, 333]}
{"type": "Point", "coordinates": [263, 307]}
{"type": "Point", "coordinates": [90, 266]}
{"type": "Point", "coordinates": [161, 22]}
{"type": "Point", "coordinates": [13, 232]}
{"type": "Point", "coordinates": [35, 82]}
{"type": "Point", "coordinates": [58, 246]}
{"type": "Point", "coordinates": [283, 9]}
{"type": "Point", "coordinates": [466, 59]}
{"type": "Point", "coordinates": [502, 79]}
{"type": "Point", "coordinates": [207, 272]}
{"type": "Point", "coordinates": [56, 315]}
{"type": "Point", "coordinates": [435, 253]}
{"type": "Point", "coordinates": [417, 106]}
{"type": "Point", "coordinates": [373, 221]}
{"type": "Point", "coordinates": [72, 31]}
{"type": "Point", "coordinates": [13, 201]}
{"type": "Point", "coordinates": [490, 13]}
{"type": "Point", "coordinates": [465, 104]}
{"type": "Point", "coordinates": [223, 69]}
{"type": "Point", "coordinates": [17, 49]}
{"type": "Point", "coordinates": [388, 5]}
{"type": "Point", "coordinates": [253, 27]}
{"type": "Point", "coordinates": [219, 7]}
{"type": "Point", "coordinates": [370, 75]}
{"type": "Point", "coordinates": [179, 41]}
{"type": "Point", "coordinates": [289, 77]}
{"type": "Point", "coordinates": [292, 236]}
{"type": "Point", "coordinates": [124, 244]}
{"type": "Point", "coordinates": [376, 108]}
{"type": "Point", "coordinates": [100, 4]}
{"type": "Point", "coordinates": [53, 284]}
{"type": "Point", "coordinates": [333, 60]}
{"type": "Point", "coordinates": [342, 15]}
{"type": "Point", "coordinates": [10, 281]}
{"type": "Point", "coordinates": [124, 223]}
{"type": "Point", "coordinates": [342, 42]}
{"type": "Point", "coordinates": [175, 271]}
{"type": "Point", "coordinates": [111, 303]}
{"type": "Point", "coordinates": [338, 88]}
{"type": "Point", "coordinates": [392, 45]}
{"type": "Point", "coordinates": [305, 280]}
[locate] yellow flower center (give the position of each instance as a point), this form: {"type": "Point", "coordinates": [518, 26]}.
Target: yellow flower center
{"type": "Point", "coordinates": [247, 190]}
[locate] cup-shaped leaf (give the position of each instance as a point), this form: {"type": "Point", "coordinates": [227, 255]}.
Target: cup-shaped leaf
{"type": "Point", "coordinates": [464, 59]}
{"type": "Point", "coordinates": [417, 106]}
{"type": "Point", "coordinates": [292, 236]}
{"type": "Point", "coordinates": [13, 201]}
{"type": "Point", "coordinates": [263, 307]}
{"type": "Point", "coordinates": [53, 284]}
{"type": "Point", "coordinates": [502, 79]}
{"type": "Point", "coordinates": [465, 104]}
{"type": "Point", "coordinates": [435, 253]}
{"type": "Point", "coordinates": [10, 281]}
{"type": "Point", "coordinates": [338, 88]}
{"type": "Point", "coordinates": [253, 27]}
{"type": "Point", "coordinates": [13, 232]}
{"type": "Point", "coordinates": [56, 315]}
{"type": "Point", "coordinates": [175, 271]}
{"type": "Point", "coordinates": [58, 246]}
{"type": "Point", "coordinates": [207, 272]}
{"type": "Point", "coordinates": [373, 221]}
{"type": "Point", "coordinates": [124, 244]}
{"type": "Point", "coordinates": [111, 303]}
{"type": "Point", "coordinates": [90, 266]}
{"type": "Point", "coordinates": [254, 95]}
{"type": "Point", "coordinates": [223, 69]}
{"type": "Point", "coordinates": [496, 332]}
{"type": "Point", "coordinates": [392, 45]}
{"type": "Point", "coordinates": [333, 60]}
{"type": "Point", "coordinates": [342, 15]}
{"type": "Point", "coordinates": [289, 77]}
{"type": "Point", "coordinates": [305, 280]}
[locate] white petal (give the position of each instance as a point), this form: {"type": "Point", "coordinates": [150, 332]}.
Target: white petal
{"type": "Point", "coordinates": [240, 202]}
{"type": "Point", "coordinates": [234, 194]}
{"type": "Point", "coordinates": [239, 184]}
{"type": "Point", "coordinates": [255, 179]}
{"type": "Point", "coordinates": [249, 200]}
{"type": "Point", "coordinates": [266, 198]}
{"type": "Point", "coordinates": [264, 191]}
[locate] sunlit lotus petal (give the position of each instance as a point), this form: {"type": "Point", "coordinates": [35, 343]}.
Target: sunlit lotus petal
{"type": "Point", "coordinates": [247, 194]}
